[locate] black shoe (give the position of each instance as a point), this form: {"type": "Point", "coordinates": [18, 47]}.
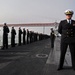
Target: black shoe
{"type": "Point", "coordinates": [59, 69]}
{"type": "Point", "coordinates": [6, 47]}
{"type": "Point", "coordinates": [74, 69]}
{"type": "Point", "coordinates": [2, 48]}
{"type": "Point", "coordinates": [19, 45]}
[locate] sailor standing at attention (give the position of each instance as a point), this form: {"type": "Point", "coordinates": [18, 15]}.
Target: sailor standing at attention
{"type": "Point", "coordinates": [67, 30]}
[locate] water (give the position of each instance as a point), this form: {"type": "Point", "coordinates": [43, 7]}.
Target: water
{"type": "Point", "coordinates": [45, 30]}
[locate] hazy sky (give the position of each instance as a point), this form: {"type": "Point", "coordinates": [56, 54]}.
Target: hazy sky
{"type": "Point", "coordinates": [28, 11]}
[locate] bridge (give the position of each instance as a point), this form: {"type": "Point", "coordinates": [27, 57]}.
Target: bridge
{"type": "Point", "coordinates": [33, 24]}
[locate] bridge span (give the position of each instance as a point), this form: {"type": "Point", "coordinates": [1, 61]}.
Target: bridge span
{"type": "Point", "coordinates": [33, 24]}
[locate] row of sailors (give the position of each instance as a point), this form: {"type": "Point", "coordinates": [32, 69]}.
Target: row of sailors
{"type": "Point", "coordinates": [30, 35]}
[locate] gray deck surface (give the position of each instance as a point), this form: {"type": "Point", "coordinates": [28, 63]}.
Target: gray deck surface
{"type": "Point", "coordinates": [34, 59]}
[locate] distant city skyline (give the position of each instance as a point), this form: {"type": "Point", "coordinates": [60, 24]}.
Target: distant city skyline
{"type": "Point", "coordinates": [34, 11]}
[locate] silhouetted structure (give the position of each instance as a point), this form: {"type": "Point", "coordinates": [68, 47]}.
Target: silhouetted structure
{"type": "Point", "coordinates": [52, 37]}
{"type": "Point", "coordinates": [19, 36]}
{"type": "Point", "coordinates": [31, 36]}
{"type": "Point", "coordinates": [13, 33]}
{"type": "Point", "coordinates": [27, 36]}
{"type": "Point", "coordinates": [24, 34]}
{"type": "Point", "coordinates": [5, 36]}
